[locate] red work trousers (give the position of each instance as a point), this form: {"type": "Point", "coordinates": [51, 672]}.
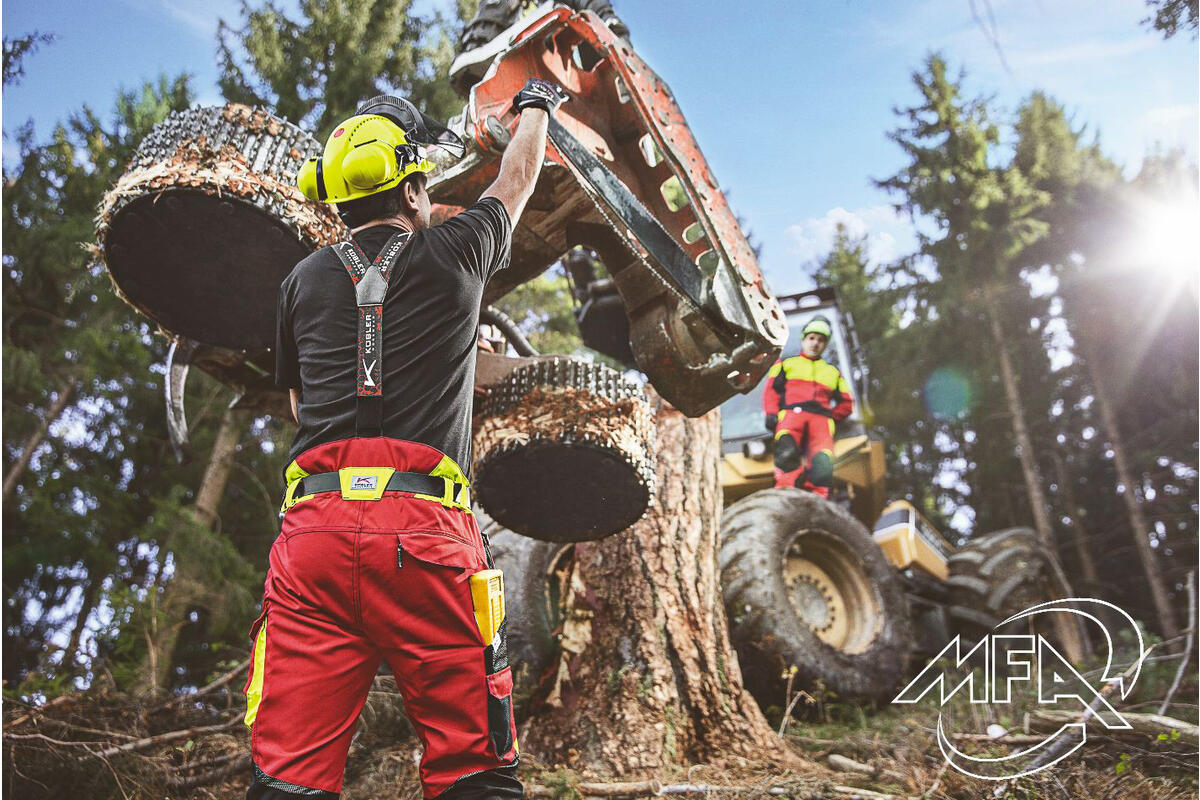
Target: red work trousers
{"type": "Point", "coordinates": [352, 583]}
{"type": "Point", "coordinates": [804, 451]}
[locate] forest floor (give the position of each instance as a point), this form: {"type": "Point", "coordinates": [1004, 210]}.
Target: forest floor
{"type": "Point", "coordinates": [102, 746]}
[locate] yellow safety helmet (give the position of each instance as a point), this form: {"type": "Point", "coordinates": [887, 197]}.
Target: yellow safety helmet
{"type": "Point", "coordinates": [818, 324]}
{"type": "Point", "coordinates": [374, 151]}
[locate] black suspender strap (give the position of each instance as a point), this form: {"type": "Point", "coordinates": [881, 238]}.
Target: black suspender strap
{"type": "Point", "coordinates": [370, 289]}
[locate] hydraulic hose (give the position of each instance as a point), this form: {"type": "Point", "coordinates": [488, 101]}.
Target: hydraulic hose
{"type": "Point", "coordinates": [494, 316]}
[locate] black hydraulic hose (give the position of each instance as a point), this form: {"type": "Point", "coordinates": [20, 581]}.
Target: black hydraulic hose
{"type": "Point", "coordinates": [494, 316]}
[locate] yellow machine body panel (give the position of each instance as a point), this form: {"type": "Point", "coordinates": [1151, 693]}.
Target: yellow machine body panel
{"type": "Point", "coordinates": [908, 540]}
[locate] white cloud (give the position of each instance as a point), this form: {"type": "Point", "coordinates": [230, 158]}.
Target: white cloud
{"type": "Point", "coordinates": [889, 235]}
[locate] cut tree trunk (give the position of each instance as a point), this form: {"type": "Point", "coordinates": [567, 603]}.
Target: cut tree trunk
{"type": "Point", "coordinates": [31, 444]}
{"type": "Point", "coordinates": [1029, 467]}
{"type": "Point", "coordinates": [647, 676]}
{"type": "Point", "coordinates": [1138, 526]}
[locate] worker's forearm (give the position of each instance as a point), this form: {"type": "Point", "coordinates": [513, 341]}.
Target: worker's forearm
{"type": "Point", "coordinates": [522, 162]}
{"type": "Point", "coordinates": [294, 401]}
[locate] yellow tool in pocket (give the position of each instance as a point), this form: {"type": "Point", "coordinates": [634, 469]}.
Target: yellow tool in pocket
{"type": "Point", "coordinates": [487, 597]}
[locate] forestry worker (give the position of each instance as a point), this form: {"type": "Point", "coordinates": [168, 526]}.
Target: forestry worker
{"type": "Point", "coordinates": [379, 557]}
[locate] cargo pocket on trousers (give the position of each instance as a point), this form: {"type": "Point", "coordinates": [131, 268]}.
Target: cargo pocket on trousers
{"type": "Point", "coordinates": [438, 548]}
{"type": "Point", "coordinates": [501, 725]}
{"type": "Point", "coordinates": [258, 659]}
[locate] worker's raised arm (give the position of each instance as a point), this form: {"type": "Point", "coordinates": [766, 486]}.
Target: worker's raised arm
{"type": "Point", "coordinates": [522, 161]}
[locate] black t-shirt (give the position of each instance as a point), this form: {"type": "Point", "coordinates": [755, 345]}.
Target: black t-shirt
{"type": "Point", "coordinates": [430, 322]}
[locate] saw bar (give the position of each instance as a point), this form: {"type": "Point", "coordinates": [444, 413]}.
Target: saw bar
{"type": "Point", "coordinates": [667, 259]}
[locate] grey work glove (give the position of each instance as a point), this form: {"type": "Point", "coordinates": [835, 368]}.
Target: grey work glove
{"type": "Point", "coordinates": [538, 93]}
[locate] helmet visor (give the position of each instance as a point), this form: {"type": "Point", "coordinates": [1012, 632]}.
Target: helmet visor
{"type": "Point", "coordinates": [419, 128]}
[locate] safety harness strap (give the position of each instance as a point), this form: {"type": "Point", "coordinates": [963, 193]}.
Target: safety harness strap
{"type": "Point", "coordinates": [370, 290]}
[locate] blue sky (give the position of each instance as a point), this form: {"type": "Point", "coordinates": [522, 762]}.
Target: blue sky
{"type": "Point", "coordinates": [790, 101]}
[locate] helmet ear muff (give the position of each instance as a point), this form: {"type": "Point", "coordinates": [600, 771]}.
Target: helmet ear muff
{"type": "Point", "coordinates": [364, 155]}
{"type": "Point", "coordinates": [310, 179]}
{"type": "Point", "coordinates": [370, 165]}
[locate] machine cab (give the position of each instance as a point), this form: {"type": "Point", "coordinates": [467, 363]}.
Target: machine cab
{"type": "Point", "coordinates": [742, 416]}
{"type": "Point", "coordinates": [858, 463]}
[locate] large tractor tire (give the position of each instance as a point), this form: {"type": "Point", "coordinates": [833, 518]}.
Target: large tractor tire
{"type": "Point", "coordinates": [1000, 574]}
{"type": "Point", "coordinates": [534, 572]}
{"type": "Point", "coordinates": [806, 586]}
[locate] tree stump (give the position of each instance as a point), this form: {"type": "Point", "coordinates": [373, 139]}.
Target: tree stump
{"type": "Point", "coordinates": [647, 676]}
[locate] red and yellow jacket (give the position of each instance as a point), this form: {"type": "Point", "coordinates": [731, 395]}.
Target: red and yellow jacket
{"type": "Point", "coordinates": [807, 384]}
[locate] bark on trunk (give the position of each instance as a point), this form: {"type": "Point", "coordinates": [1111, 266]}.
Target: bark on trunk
{"type": "Point", "coordinates": [220, 464]}
{"type": "Point", "coordinates": [90, 593]}
{"type": "Point", "coordinates": [647, 676]}
{"type": "Point", "coordinates": [182, 591]}
{"type": "Point", "coordinates": [65, 391]}
{"type": "Point", "coordinates": [1070, 631]}
{"type": "Point", "coordinates": [1079, 536]}
{"type": "Point", "coordinates": [1138, 525]}
{"type": "Point", "coordinates": [1029, 468]}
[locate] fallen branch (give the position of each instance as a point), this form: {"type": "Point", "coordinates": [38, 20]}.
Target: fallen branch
{"type": "Point", "coordinates": [1191, 641]}
{"type": "Point", "coordinates": [854, 793]}
{"type": "Point", "coordinates": [655, 789]}
{"type": "Point", "coordinates": [1141, 726]}
{"type": "Point", "coordinates": [81, 729]}
{"type": "Point", "coordinates": [35, 710]}
{"type": "Point", "coordinates": [814, 742]}
{"type": "Point", "coordinates": [216, 684]}
{"type": "Point", "coordinates": [1056, 749]}
{"type": "Point", "coordinates": [45, 738]}
{"type": "Point", "coordinates": [937, 781]}
{"type": "Point", "coordinates": [163, 738]}
{"type": "Point", "coordinates": [1012, 738]}
{"type": "Point", "coordinates": [208, 763]}
{"type": "Point", "coordinates": [843, 764]}
{"type": "Point", "coordinates": [211, 776]}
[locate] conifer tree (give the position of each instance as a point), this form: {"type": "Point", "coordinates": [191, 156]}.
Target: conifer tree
{"type": "Point", "coordinates": [985, 217]}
